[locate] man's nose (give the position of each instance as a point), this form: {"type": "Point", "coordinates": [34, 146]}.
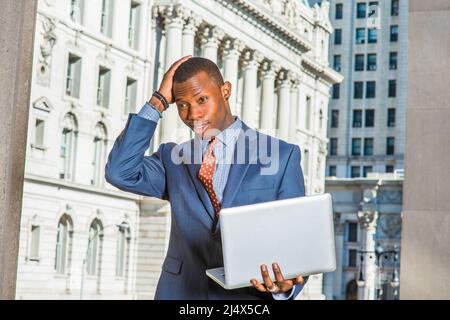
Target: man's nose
{"type": "Point", "coordinates": [194, 112]}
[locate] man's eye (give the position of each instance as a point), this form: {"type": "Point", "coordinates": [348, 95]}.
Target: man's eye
{"type": "Point", "coordinates": [182, 106]}
{"type": "Point", "coordinates": [202, 100]}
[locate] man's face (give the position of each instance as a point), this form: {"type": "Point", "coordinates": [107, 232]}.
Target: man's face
{"type": "Point", "coordinates": [203, 105]}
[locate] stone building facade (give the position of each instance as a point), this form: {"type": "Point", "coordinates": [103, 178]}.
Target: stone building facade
{"type": "Point", "coordinates": [96, 61]}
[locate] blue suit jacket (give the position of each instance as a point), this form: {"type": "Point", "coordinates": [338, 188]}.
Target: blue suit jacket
{"type": "Point", "coordinates": [192, 248]}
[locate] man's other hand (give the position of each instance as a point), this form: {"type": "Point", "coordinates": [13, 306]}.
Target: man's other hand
{"type": "Point", "coordinates": [280, 285]}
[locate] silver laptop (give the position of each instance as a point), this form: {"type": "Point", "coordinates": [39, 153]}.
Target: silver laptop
{"type": "Point", "coordinates": [297, 233]}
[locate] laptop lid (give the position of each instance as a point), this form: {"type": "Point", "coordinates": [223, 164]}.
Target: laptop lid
{"type": "Point", "coordinates": [297, 233]}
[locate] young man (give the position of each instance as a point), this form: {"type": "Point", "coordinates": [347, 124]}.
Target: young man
{"type": "Point", "coordinates": [222, 167]}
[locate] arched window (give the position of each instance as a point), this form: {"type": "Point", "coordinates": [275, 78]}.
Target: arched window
{"type": "Point", "coordinates": [98, 161]}
{"type": "Point", "coordinates": [94, 247]}
{"type": "Point", "coordinates": [67, 147]}
{"type": "Point", "coordinates": [63, 244]}
{"type": "Point", "coordinates": [123, 250]}
{"type": "Point", "coordinates": [351, 292]}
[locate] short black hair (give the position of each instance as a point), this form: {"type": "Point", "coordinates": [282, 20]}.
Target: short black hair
{"type": "Point", "coordinates": [193, 66]}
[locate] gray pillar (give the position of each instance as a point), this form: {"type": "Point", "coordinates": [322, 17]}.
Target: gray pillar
{"type": "Point", "coordinates": [232, 49]}
{"type": "Point", "coordinates": [284, 104]}
{"type": "Point", "coordinates": [425, 258]}
{"type": "Point", "coordinates": [210, 40]}
{"type": "Point", "coordinates": [191, 25]}
{"type": "Point", "coordinates": [174, 28]}
{"type": "Point", "coordinates": [17, 22]}
{"type": "Point", "coordinates": [269, 70]}
{"type": "Point", "coordinates": [251, 64]}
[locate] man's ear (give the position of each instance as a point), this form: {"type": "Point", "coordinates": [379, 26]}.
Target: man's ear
{"type": "Point", "coordinates": [226, 90]}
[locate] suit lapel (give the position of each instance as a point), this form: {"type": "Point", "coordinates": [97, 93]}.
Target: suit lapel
{"type": "Point", "coordinates": [237, 168]}
{"type": "Point", "coordinates": [192, 160]}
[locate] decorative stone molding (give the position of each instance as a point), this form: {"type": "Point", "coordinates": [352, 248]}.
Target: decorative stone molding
{"type": "Point", "coordinates": [172, 14]}
{"type": "Point", "coordinates": [232, 47]}
{"type": "Point", "coordinates": [251, 58]}
{"type": "Point", "coordinates": [48, 41]}
{"type": "Point", "coordinates": [368, 219]}
{"type": "Point", "coordinates": [191, 22]}
{"type": "Point", "coordinates": [210, 36]}
{"type": "Point", "coordinates": [269, 69]}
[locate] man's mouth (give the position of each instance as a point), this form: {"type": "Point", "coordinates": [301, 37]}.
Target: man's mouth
{"type": "Point", "coordinates": [200, 127]}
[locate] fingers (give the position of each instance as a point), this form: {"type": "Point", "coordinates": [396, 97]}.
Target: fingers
{"type": "Point", "coordinates": [266, 277]}
{"type": "Point", "coordinates": [277, 272]}
{"type": "Point", "coordinates": [260, 287]}
{"type": "Point", "coordinates": [299, 280]}
{"type": "Point", "coordinates": [177, 63]}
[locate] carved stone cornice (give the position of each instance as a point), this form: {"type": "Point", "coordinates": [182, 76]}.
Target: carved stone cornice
{"type": "Point", "coordinates": [269, 69]}
{"type": "Point", "coordinates": [192, 22]}
{"type": "Point", "coordinates": [265, 20]}
{"type": "Point", "coordinates": [172, 13]}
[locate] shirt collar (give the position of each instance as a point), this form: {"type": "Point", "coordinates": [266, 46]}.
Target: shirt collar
{"type": "Point", "coordinates": [228, 136]}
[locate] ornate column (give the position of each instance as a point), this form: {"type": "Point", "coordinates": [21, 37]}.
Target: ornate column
{"type": "Point", "coordinates": [268, 73]}
{"type": "Point", "coordinates": [173, 19]}
{"type": "Point", "coordinates": [339, 240]}
{"type": "Point", "coordinates": [368, 220]}
{"type": "Point", "coordinates": [251, 61]}
{"type": "Point", "coordinates": [284, 103]}
{"type": "Point", "coordinates": [191, 23]}
{"type": "Point", "coordinates": [231, 51]}
{"type": "Point", "coordinates": [211, 36]}
{"type": "Point", "coordinates": [293, 113]}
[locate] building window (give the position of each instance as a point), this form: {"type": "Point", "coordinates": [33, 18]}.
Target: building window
{"type": "Point", "coordinates": [334, 118]}
{"type": "Point", "coordinates": [103, 87]}
{"type": "Point", "coordinates": [336, 90]}
{"type": "Point", "coordinates": [63, 244]}
{"type": "Point", "coordinates": [393, 60]}
{"type": "Point", "coordinates": [357, 118]}
{"type": "Point", "coordinates": [392, 89]}
{"type": "Point", "coordinates": [369, 118]}
{"type": "Point", "coordinates": [356, 146]}
{"type": "Point", "coordinates": [372, 62]}
{"type": "Point", "coordinates": [130, 96]}
{"type": "Point", "coordinates": [308, 113]}
{"type": "Point", "coordinates": [39, 133]}
{"type": "Point", "coordinates": [352, 235]}
{"type": "Point", "coordinates": [332, 171]}
{"type": "Point", "coordinates": [94, 247]}
{"type": "Point", "coordinates": [390, 145]}
{"type": "Point", "coordinates": [76, 11]}
{"type": "Point", "coordinates": [370, 89]}
{"type": "Point", "coordinates": [98, 161]}
{"type": "Point", "coordinates": [391, 117]}
{"type": "Point", "coordinates": [361, 10]}
{"type": "Point", "coordinates": [133, 27]}
{"type": "Point", "coordinates": [367, 170]}
{"type": "Point", "coordinates": [67, 147]}
{"type": "Point", "coordinates": [73, 76]}
{"type": "Point", "coordinates": [123, 247]}
{"type": "Point", "coordinates": [339, 10]}
{"type": "Point", "coordinates": [106, 18]}
{"type": "Point", "coordinates": [368, 146]}
{"type": "Point", "coordinates": [394, 7]}
{"type": "Point", "coordinates": [372, 35]}
{"type": "Point", "coordinates": [35, 237]}
{"type": "Point", "coordinates": [389, 169]}
{"type": "Point", "coordinates": [360, 35]}
{"type": "Point", "coordinates": [359, 62]}
{"type": "Point", "coordinates": [358, 90]}
{"type": "Point", "coordinates": [394, 33]}
{"type": "Point", "coordinates": [338, 36]}
{"type": "Point", "coordinates": [333, 146]}
{"type": "Point", "coordinates": [337, 62]}
{"type": "Point", "coordinates": [352, 258]}
{"type": "Point", "coordinates": [355, 172]}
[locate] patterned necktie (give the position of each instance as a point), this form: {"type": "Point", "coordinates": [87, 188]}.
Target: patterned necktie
{"type": "Point", "coordinates": [206, 173]}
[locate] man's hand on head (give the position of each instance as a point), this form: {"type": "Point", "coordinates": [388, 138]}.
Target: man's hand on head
{"type": "Point", "coordinates": [165, 88]}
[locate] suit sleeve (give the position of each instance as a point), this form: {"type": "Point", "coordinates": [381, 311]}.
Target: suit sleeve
{"type": "Point", "coordinates": [292, 184]}
{"type": "Point", "coordinates": [129, 169]}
